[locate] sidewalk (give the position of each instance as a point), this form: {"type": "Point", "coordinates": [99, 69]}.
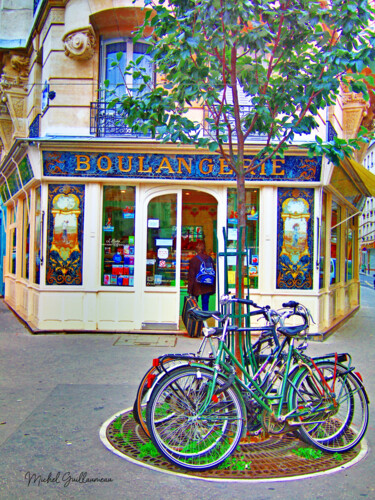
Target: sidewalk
{"type": "Point", "coordinates": [57, 390]}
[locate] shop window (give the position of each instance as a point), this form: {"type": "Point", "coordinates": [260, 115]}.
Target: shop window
{"type": "Point", "coordinates": [118, 257]}
{"type": "Point", "coordinates": [25, 239]}
{"type": "Point", "coordinates": [349, 257]}
{"type": "Point", "coordinates": [161, 241]}
{"type": "Point", "coordinates": [37, 235]}
{"type": "Point", "coordinates": [322, 260]}
{"type": "Point", "coordinates": [335, 243]}
{"type": "Point", "coordinates": [13, 240]}
{"type": "Point", "coordinates": [252, 235]}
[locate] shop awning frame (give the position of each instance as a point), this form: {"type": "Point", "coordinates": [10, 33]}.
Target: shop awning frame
{"type": "Point", "coordinates": [367, 179]}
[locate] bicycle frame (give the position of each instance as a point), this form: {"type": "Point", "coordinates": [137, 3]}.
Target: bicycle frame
{"type": "Point", "coordinates": [257, 393]}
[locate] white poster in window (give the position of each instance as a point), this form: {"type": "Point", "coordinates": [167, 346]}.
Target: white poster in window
{"type": "Point", "coordinates": [232, 233]}
{"type": "Point", "coordinates": [231, 259]}
{"type": "Point", "coordinates": [163, 242]}
{"type": "Point", "coordinates": [163, 253]}
{"type": "Point", "coordinates": [153, 223]}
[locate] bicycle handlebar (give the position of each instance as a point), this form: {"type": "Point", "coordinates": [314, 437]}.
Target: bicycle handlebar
{"type": "Point", "coordinates": [291, 303]}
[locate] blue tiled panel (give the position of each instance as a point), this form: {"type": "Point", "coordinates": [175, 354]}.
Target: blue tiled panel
{"type": "Point", "coordinates": [157, 166]}
{"type": "Point", "coordinates": [295, 238]}
{"type": "Point", "coordinates": [34, 128]}
{"type": "Point", "coordinates": [65, 245]}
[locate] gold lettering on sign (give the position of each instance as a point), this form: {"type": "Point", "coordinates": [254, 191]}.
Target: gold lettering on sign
{"type": "Point", "coordinates": [140, 168]}
{"type": "Point", "coordinates": [109, 163]}
{"type": "Point", "coordinates": [184, 162]}
{"type": "Point", "coordinates": [224, 167]}
{"type": "Point", "coordinates": [165, 165]}
{"type": "Point", "coordinates": [120, 158]}
{"type": "Point", "coordinates": [83, 160]}
{"type": "Point", "coordinates": [263, 169]}
{"type": "Point", "coordinates": [275, 166]}
{"type": "Point", "coordinates": [205, 166]}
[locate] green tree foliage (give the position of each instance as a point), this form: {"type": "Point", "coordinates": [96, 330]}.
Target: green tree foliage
{"type": "Point", "coordinates": [287, 57]}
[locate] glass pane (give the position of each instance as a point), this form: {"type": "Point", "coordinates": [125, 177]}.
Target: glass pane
{"type": "Point", "coordinates": [199, 222]}
{"type": "Point", "coordinates": [335, 244]}
{"type": "Point", "coordinates": [13, 250]}
{"type": "Point", "coordinates": [322, 277]}
{"type": "Point", "coordinates": [115, 74]}
{"type": "Point", "coordinates": [146, 63]}
{"type": "Point", "coordinates": [37, 240]}
{"type": "Point", "coordinates": [349, 249]}
{"type": "Point", "coordinates": [161, 241]}
{"type": "Point", "coordinates": [25, 241]}
{"type": "Point", "coordinates": [118, 235]}
{"type": "Point", "coordinates": [252, 225]}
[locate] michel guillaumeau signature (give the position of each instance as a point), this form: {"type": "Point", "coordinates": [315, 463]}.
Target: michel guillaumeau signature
{"type": "Point", "coordinates": [65, 478]}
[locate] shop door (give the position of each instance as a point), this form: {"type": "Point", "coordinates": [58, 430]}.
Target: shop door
{"type": "Point", "coordinates": [161, 293]}
{"type": "Point", "coordinates": [199, 223]}
{"type": "Point", "coordinates": [175, 222]}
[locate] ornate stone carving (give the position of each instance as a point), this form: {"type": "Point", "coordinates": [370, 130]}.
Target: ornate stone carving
{"type": "Point", "coordinates": [15, 71]}
{"type": "Point", "coordinates": [20, 64]}
{"type": "Point", "coordinates": [80, 44]}
{"type": "Point", "coordinates": [6, 127]}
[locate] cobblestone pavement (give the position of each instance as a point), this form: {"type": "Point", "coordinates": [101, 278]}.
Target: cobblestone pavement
{"type": "Point", "coordinates": [57, 390]}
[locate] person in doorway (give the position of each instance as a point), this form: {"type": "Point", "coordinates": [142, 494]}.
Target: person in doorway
{"type": "Point", "coordinates": [195, 287]}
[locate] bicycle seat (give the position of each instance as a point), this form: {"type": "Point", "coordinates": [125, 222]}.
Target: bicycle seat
{"type": "Point", "coordinates": [291, 331]}
{"type": "Point", "coordinates": [200, 315]}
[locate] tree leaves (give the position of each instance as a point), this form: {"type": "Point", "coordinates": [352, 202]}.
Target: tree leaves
{"type": "Point", "coordinates": [258, 67]}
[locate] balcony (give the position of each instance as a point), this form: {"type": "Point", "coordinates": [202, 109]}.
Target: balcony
{"type": "Point", "coordinates": [244, 110]}
{"type": "Point", "coordinates": [109, 122]}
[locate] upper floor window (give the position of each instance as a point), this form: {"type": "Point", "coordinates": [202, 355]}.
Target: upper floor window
{"type": "Point", "coordinates": [124, 51]}
{"type": "Point", "coordinates": [106, 117]}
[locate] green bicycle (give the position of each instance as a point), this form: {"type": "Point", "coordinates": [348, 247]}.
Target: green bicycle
{"type": "Point", "coordinates": [197, 415]}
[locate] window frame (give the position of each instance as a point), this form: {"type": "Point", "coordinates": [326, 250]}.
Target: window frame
{"type": "Point", "coordinates": [129, 53]}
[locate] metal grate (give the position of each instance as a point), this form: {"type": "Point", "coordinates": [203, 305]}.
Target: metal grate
{"type": "Point", "coordinates": [108, 121]}
{"type": "Point", "coordinates": [272, 458]}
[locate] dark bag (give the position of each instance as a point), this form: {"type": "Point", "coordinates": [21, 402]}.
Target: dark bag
{"type": "Point", "coordinates": [206, 275]}
{"type": "Point", "coordinates": [193, 327]}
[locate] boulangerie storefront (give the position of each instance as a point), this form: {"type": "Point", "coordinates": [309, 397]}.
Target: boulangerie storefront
{"type": "Point", "coordinates": [100, 239]}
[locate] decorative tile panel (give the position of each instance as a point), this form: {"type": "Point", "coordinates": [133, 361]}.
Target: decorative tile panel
{"type": "Point", "coordinates": [158, 166]}
{"type": "Point", "coordinates": [34, 128]}
{"type": "Point", "coordinates": [295, 238]}
{"type": "Point", "coordinates": [65, 234]}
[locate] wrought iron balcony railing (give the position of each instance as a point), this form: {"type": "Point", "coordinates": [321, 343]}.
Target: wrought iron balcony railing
{"type": "Point", "coordinates": [243, 111]}
{"type": "Point", "coordinates": [109, 122]}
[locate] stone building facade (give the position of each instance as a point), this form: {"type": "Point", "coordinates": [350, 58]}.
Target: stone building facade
{"type": "Point", "coordinates": [101, 223]}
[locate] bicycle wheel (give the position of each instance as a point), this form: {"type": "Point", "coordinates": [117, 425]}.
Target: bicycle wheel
{"type": "Point", "coordinates": [182, 435]}
{"type": "Point", "coordinates": [338, 420]}
{"type": "Point", "coordinates": [147, 384]}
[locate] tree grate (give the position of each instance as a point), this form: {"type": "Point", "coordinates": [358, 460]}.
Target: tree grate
{"type": "Point", "coordinates": [272, 458]}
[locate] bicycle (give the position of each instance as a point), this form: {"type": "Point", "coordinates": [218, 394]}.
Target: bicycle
{"type": "Point", "coordinates": [196, 416]}
{"type": "Point", "coordinates": [163, 365]}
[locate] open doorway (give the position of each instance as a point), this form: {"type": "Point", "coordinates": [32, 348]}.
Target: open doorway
{"type": "Point", "coordinates": [199, 222]}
